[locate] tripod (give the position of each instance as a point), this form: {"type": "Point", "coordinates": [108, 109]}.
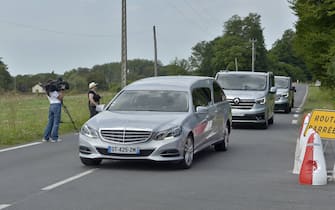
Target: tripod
{"type": "Point", "coordinates": [68, 113]}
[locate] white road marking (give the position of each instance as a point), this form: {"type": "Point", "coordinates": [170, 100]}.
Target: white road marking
{"type": "Point", "coordinates": [294, 122]}
{"type": "Point", "coordinates": [53, 186]}
{"type": "Point", "coordinates": [19, 147]}
{"type": "Point", "coordinates": [304, 98]}
{"type": "Point", "coordinates": [3, 206]}
{"type": "Point", "coordinates": [296, 115]}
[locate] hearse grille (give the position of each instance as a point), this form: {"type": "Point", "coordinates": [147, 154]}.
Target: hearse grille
{"type": "Point", "coordinates": [123, 136]}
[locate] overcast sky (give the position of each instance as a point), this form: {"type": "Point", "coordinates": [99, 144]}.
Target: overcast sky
{"type": "Point", "coordinates": [40, 36]}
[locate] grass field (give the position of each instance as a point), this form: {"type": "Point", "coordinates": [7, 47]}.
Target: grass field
{"type": "Point", "coordinates": [24, 117]}
{"type": "Point", "coordinates": [319, 98]}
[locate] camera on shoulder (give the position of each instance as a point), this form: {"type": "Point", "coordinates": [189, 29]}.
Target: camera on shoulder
{"type": "Point", "coordinates": [56, 85]}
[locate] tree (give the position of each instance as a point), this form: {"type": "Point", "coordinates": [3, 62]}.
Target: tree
{"type": "Point", "coordinates": [183, 63]}
{"type": "Point", "coordinates": [209, 57]}
{"type": "Point", "coordinates": [283, 60]}
{"type": "Point", "coordinates": [172, 69]}
{"type": "Point", "coordinates": [6, 81]}
{"type": "Point", "coordinates": [247, 29]}
{"type": "Point", "coordinates": [201, 56]}
{"type": "Point", "coordinates": [315, 31]}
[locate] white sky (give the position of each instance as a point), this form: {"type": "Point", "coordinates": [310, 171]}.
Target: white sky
{"type": "Point", "coordinates": [40, 36]}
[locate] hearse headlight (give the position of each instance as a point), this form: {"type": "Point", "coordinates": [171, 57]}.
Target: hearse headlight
{"type": "Point", "coordinates": [89, 131]}
{"type": "Point", "coordinates": [260, 100]}
{"type": "Point", "coordinates": [167, 134]}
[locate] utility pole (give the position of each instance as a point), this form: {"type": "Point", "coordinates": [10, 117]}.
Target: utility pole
{"type": "Point", "coordinates": [253, 57]}
{"type": "Point", "coordinates": [155, 47]}
{"type": "Point", "coordinates": [236, 66]}
{"type": "Point", "coordinates": [124, 45]}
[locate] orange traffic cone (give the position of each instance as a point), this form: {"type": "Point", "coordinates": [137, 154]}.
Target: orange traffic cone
{"type": "Point", "coordinates": [313, 169]}
{"type": "Point", "coordinates": [302, 147]}
{"type": "Point", "coordinates": [299, 144]}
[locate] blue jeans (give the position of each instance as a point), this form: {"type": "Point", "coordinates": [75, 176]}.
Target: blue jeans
{"type": "Point", "coordinates": [51, 130]}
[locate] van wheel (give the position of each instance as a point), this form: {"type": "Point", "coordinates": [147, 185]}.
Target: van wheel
{"type": "Point", "coordinates": [90, 162]}
{"type": "Point", "coordinates": [187, 160]}
{"type": "Point", "coordinates": [288, 108]}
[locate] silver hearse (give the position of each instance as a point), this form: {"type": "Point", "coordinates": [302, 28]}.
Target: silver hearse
{"type": "Point", "coordinates": [168, 118]}
{"type": "Point", "coordinates": [251, 95]}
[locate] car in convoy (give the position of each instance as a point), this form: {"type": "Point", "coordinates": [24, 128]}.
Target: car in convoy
{"type": "Point", "coordinates": [285, 94]}
{"type": "Point", "coordinates": [251, 95]}
{"type": "Point", "coordinates": [166, 118]}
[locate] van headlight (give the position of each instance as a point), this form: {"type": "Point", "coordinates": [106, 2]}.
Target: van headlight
{"type": "Point", "coordinates": [89, 131]}
{"type": "Point", "coordinates": [260, 100]}
{"type": "Point", "coordinates": [285, 95]}
{"type": "Point", "coordinates": [167, 134]}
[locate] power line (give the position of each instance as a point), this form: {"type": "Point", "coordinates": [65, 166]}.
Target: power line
{"type": "Point", "coordinates": [204, 14]}
{"type": "Point", "coordinates": [199, 26]}
{"type": "Point", "coordinates": [35, 28]}
{"type": "Point", "coordinates": [195, 11]}
{"type": "Point", "coordinates": [210, 15]}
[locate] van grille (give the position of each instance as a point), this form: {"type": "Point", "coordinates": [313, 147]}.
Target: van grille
{"type": "Point", "coordinates": [125, 136]}
{"type": "Point", "coordinates": [243, 104]}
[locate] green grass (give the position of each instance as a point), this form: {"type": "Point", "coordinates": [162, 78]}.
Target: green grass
{"type": "Point", "coordinates": [24, 117]}
{"type": "Point", "coordinates": [319, 98]}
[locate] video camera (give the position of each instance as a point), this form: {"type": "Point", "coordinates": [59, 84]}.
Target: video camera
{"type": "Point", "coordinates": [56, 85]}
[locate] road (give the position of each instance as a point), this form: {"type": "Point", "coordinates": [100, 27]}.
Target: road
{"type": "Point", "coordinates": [256, 173]}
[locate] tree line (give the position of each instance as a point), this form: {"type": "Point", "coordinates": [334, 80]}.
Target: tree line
{"type": "Point", "coordinates": [314, 41]}
{"type": "Point", "coordinates": [306, 53]}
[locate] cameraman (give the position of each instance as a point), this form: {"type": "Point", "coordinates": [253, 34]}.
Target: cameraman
{"type": "Point", "coordinates": [93, 99]}
{"type": "Point", "coordinates": [55, 97]}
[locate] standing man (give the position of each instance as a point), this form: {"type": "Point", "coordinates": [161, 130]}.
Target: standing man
{"type": "Point", "coordinates": [93, 98]}
{"type": "Point", "coordinates": [55, 98]}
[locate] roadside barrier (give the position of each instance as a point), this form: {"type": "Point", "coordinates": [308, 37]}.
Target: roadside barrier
{"type": "Point", "coordinates": [297, 163]}
{"type": "Point", "coordinates": [313, 168]}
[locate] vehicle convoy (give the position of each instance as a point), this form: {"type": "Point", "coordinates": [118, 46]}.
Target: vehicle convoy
{"type": "Point", "coordinates": [285, 94]}
{"type": "Point", "coordinates": [251, 95]}
{"type": "Point", "coordinates": [168, 118]}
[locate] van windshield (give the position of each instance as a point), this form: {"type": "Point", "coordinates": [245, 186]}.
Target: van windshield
{"type": "Point", "coordinates": [242, 81]}
{"type": "Point", "coordinates": [282, 82]}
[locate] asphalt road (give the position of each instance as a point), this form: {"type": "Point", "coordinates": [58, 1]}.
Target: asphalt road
{"type": "Point", "coordinates": [255, 173]}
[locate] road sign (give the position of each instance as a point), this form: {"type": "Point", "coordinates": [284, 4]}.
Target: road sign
{"type": "Point", "coordinates": [323, 122]}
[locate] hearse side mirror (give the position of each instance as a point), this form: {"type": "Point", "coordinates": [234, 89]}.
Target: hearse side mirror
{"type": "Point", "coordinates": [202, 109]}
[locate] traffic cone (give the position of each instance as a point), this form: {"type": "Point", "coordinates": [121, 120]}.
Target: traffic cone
{"type": "Point", "coordinates": [313, 169]}
{"type": "Point", "coordinates": [296, 166]}
{"type": "Point", "coordinates": [302, 147]}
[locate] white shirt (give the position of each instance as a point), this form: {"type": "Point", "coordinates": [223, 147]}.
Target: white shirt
{"type": "Point", "coordinates": [53, 98]}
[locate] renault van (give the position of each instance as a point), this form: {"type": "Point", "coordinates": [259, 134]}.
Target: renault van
{"type": "Point", "coordinates": [251, 95]}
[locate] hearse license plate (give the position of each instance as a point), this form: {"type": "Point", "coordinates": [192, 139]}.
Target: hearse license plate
{"type": "Point", "coordinates": [123, 150]}
{"type": "Point", "coordinates": [238, 114]}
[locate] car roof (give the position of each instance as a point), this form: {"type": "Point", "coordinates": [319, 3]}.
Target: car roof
{"type": "Point", "coordinates": [243, 72]}
{"type": "Point", "coordinates": [167, 83]}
